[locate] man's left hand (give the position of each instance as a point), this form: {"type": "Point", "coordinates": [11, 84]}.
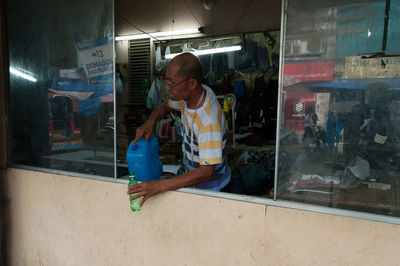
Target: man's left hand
{"type": "Point", "coordinates": [146, 190]}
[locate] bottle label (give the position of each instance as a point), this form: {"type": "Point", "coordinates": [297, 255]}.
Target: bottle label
{"type": "Point", "coordinates": [136, 202]}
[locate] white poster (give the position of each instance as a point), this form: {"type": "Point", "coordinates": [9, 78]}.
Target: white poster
{"type": "Point", "coordinates": [96, 57]}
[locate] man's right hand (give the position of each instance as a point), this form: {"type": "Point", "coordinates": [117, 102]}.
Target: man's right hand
{"type": "Point", "coordinates": [144, 131]}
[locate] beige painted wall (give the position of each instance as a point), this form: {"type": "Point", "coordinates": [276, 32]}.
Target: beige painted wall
{"type": "Point", "coordinates": [61, 220]}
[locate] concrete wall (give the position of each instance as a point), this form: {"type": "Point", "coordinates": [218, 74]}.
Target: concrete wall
{"type": "Point", "coordinates": [61, 220]}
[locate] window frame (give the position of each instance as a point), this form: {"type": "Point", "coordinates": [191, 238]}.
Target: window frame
{"type": "Point", "coordinates": [4, 91]}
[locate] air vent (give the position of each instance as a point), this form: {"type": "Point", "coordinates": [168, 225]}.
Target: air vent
{"type": "Point", "coordinates": [139, 69]}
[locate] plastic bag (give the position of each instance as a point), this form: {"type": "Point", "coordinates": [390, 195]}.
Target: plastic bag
{"type": "Point", "coordinates": [157, 94]}
{"type": "Point", "coordinates": [159, 61]}
{"type": "Point", "coordinates": [246, 59]}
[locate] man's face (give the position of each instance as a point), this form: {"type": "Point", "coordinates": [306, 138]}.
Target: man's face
{"type": "Point", "coordinates": [177, 85]}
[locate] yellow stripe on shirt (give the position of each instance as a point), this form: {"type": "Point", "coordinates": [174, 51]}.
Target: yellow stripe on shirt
{"type": "Point", "coordinates": [209, 128]}
{"type": "Point", "coordinates": [214, 144]}
{"type": "Point", "coordinates": [171, 105]}
{"type": "Point", "coordinates": [207, 108]}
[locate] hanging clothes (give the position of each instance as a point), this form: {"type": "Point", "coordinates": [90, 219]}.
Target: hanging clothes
{"type": "Point", "coordinates": [157, 94]}
{"type": "Point", "coordinates": [218, 66]}
{"type": "Point", "coordinates": [246, 59]}
{"type": "Point", "coordinates": [262, 55]}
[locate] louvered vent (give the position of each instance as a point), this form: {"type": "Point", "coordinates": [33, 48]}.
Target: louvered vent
{"type": "Point", "coordinates": [139, 69]}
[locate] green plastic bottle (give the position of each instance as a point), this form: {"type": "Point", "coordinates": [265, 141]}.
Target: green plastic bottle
{"type": "Point", "coordinates": [136, 202]}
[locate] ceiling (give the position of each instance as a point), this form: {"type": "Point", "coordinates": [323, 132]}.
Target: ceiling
{"type": "Point", "coordinates": [225, 17]}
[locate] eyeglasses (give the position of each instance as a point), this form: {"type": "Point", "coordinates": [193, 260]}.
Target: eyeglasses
{"type": "Point", "coordinates": [175, 85]}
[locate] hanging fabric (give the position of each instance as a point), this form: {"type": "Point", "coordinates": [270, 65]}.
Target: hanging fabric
{"type": "Point", "coordinates": [159, 61]}
{"type": "Point", "coordinates": [262, 55]}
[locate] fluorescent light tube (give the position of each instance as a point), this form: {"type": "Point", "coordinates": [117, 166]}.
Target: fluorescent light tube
{"type": "Point", "coordinates": [210, 51]}
{"type": "Point", "coordinates": [157, 34]}
{"type": "Point", "coordinates": [22, 74]}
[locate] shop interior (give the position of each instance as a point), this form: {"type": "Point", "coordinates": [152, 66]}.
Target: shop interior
{"type": "Point", "coordinates": [246, 85]}
{"type": "Point", "coordinates": [245, 82]}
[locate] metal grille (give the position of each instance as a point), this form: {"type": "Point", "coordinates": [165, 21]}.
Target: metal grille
{"type": "Point", "coordinates": [139, 69]}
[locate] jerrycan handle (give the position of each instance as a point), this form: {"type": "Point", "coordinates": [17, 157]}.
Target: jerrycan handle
{"type": "Point", "coordinates": [133, 147]}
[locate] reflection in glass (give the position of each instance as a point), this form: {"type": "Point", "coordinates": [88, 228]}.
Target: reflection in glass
{"type": "Point", "coordinates": [61, 65]}
{"type": "Point", "coordinates": [339, 130]}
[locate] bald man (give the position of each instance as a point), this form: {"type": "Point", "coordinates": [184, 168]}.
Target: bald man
{"type": "Point", "coordinates": [204, 131]}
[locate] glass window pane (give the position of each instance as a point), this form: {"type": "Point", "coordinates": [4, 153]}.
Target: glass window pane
{"type": "Point", "coordinates": [61, 76]}
{"type": "Point", "coordinates": [339, 133]}
{"type": "Point", "coordinates": [393, 30]}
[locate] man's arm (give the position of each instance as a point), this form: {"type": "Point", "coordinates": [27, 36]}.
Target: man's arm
{"type": "Point", "coordinates": [147, 127]}
{"type": "Point", "coordinates": [150, 188]}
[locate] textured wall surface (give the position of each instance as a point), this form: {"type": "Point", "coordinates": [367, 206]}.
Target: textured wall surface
{"type": "Point", "coordinates": [61, 220]}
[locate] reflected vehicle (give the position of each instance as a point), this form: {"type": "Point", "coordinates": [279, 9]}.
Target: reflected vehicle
{"type": "Point", "coordinates": [63, 131]}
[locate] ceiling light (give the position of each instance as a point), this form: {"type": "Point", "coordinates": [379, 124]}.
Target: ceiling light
{"type": "Point", "coordinates": [210, 51]}
{"type": "Point", "coordinates": [22, 74]}
{"type": "Point", "coordinates": [157, 34]}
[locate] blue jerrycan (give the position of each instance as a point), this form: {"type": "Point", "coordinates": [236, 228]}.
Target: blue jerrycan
{"type": "Point", "coordinates": [143, 160]}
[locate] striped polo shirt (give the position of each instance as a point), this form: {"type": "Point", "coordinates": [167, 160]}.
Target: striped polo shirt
{"type": "Point", "coordinates": [209, 126]}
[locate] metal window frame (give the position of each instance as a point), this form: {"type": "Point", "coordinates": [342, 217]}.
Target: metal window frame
{"type": "Point", "coordinates": [4, 91]}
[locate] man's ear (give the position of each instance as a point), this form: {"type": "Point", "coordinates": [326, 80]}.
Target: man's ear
{"type": "Point", "coordinates": [193, 83]}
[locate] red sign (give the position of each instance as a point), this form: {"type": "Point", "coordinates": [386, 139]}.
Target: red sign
{"type": "Point", "coordinates": [310, 71]}
{"type": "Point", "coordinates": [296, 104]}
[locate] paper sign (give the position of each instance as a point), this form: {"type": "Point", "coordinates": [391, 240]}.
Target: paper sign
{"type": "Point", "coordinates": [96, 57]}
{"type": "Point", "coordinates": [380, 139]}
{"type": "Point", "coordinates": [382, 67]}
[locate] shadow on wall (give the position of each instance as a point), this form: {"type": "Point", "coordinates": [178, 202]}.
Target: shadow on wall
{"type": "Point", "coordinates": [4, 214]}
